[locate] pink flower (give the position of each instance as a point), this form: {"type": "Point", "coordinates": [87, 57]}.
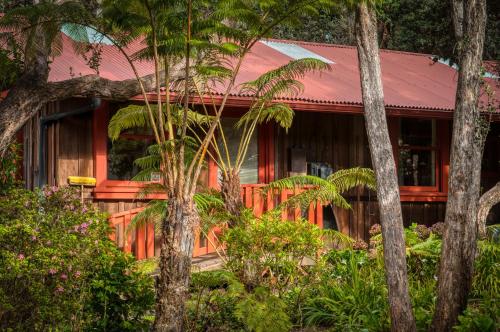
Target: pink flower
{"type": "Point", "coordinates": [64, 276]}
{"type": "Point", "coordinates": [33, 238]}
{"type": "Point", "coordinates": [77, 274]}
{"type": "Point", "coordinates": [20, 256]}
{"type": "Point", "coordinates": [52, 271]}
{"type": "Point", "coordinates": [59, 289]}
{"type": "Point", "coordinates": [84, 209]}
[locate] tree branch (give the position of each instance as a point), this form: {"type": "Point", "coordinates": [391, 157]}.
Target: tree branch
{"type": "Point", "coordinates": [29, 95]}
{"type": "Point", "coordinates": [486, 202]}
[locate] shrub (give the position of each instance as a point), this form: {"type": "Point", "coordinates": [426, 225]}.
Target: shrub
{"type": "Point", "coordinates": [60, 270]}
{"type": "Point", "coordinates": [219, 302]}
{"type": "Point", "coordinates": [269, 252]}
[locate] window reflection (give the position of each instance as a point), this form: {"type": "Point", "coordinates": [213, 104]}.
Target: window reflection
{"type": "Point", "coordinates": [417, 153]}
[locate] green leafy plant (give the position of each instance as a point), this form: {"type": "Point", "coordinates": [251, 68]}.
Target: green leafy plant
{"type": "Point", "coordinates": [267, 251]}
{"type": "Point", "coordinates": [324, 191]}
{"type": "Point", "coordinates": [9, 167]}
{"type": "Point", "coordinates": [261, 311]}
{"type": "Point", "coordinates": [61, 271]}
{"type": "Point", "coordinates": [351, 296]}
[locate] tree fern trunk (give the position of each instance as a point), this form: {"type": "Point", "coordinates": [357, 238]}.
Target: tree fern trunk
{"type": "Point", "coordinates": [385, 170]}
{"type": "Point", "coordinates": [172, 287]}
{"type": "Point", "coordinates": [459, 240]}
{"type": "Point", "coordinates": [231, 192]}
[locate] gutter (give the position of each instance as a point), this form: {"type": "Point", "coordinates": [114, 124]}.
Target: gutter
{"type": "Point", "coordinates": [45, 121]}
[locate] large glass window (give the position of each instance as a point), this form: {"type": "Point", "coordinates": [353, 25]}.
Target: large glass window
{"type": "Point", "coordinates": [417, 153]}
{"type": "Point", "coordinates": [131, 145]}
{"type": "Point", "coordinates": [250, 169]}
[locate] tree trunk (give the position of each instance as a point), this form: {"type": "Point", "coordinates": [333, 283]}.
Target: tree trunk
{"type": "Point", "coordinates": [172, 287]}
{"type": "Point", "coordinates": [231, 192]}
{"type": "Point", "coordinates": [486, 202]}
{"type": "Point", "coordinates": [385, 169]}
{"type": "Point", "coordinates": [459, 240]}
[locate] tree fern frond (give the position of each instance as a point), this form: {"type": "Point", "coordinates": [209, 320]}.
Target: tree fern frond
{"type": "Point", "coordinates": [154, 213]}
{"type": "Point", "coordinates": [131, 116]}
{"type": "Point", "coordinates": [348, 178]}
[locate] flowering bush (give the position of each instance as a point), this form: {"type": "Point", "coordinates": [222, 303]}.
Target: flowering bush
{"type": "Point", "coordinates": [57, 262]}
{"type": "Point", "coordinates": [9, 167]}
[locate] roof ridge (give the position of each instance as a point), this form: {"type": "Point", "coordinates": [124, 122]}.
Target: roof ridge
{"type": "Point", "coordinates": [301, 42]}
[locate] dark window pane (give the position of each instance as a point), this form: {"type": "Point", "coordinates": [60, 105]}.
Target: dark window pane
{"type": "Point", "coordinates": [416, 132]}
{"type": "Point", "coordinates": [417, 167]}
{"type": "Point", "coordinates": [121, 156]}
{"type": "Point", "coordinates": [250, 169]}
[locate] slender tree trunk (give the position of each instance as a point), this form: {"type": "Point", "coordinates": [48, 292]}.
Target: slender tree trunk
{"type": "Point", "coordinates": [231, 192]}
{"type": "Point", "coordinates": [385, 169]}
{"type": "Point", "coordinates": [459, 240]}
{"type": "Point", "coordinates": [486, 202]}
{"type": "Point", "coordinates": [172, 287]}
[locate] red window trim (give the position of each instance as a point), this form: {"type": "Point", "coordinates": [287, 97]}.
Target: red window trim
{"type": "Point", "coordinates": [437, 193]}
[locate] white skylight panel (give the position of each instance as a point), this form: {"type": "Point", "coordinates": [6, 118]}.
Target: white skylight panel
{"type": "Point", "coordinates": [294, 51]}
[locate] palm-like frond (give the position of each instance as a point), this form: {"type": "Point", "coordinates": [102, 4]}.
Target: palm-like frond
{"type": "Point", "coordinates": [280, 113]}
{"type": "Point", "coordinates": [323, 191]}
{"type": "Point", "coordinates": [209, 205]}
{"type": "Point", "coordinates": [131, 116]}
{"type": "Point", "coordinates": [346, 179]}
{"type": "Point", "coordinates": [338, 239]}
{"type": "Point", "coordinates": [284, 79]}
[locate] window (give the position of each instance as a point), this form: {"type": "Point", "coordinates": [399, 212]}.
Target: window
{"type": "Point", "coordinates": [417, 153]}
{"type": "Point", "coordinates": [250, 169]}
{"type": "Point", "coordinates": [122, 153]}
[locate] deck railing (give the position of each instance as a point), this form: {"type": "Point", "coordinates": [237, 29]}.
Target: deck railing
{"type": "Point", "coordinates": [144, 243]}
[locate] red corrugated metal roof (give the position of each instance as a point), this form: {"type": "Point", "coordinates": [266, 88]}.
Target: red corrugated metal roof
{"type": "Point", "coordinates": [410, 80]}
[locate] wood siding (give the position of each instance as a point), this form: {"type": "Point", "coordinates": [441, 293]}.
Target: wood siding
{"type": "Point", "coordinates": [340, 140]}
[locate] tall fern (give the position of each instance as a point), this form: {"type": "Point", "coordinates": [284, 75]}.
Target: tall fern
{"type": "Point", "coordinates": [323, 191]}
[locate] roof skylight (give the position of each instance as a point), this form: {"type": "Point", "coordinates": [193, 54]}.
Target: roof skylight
{"type": "Point", "coordinates": [294, 51]}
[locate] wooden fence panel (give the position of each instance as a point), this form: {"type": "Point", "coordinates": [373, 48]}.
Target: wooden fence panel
{"type": "Point", "coordinates": [141, 241]}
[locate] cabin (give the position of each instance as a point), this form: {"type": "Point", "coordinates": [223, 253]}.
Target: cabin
{"type": "Point", "coordinates": [69, 138]}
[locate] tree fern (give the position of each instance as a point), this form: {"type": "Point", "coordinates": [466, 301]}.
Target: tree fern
{"type": "Point", "coordinates": [323, 191]}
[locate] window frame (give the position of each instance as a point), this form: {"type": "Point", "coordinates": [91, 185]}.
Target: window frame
{"type": "Point", "coordinates": [441, 167]}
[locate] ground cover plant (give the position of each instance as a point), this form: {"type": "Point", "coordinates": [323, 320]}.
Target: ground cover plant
{"type": "Point", "coordinates": [343, 291]}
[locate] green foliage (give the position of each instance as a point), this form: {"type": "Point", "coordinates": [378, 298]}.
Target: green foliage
{"type": "Point", "coordinates": [10, 69]}
{"type": "Point", "coordinates": [267, 251]}
{"type": "Point", "coordinates": [324, 191]}
{"type": "Point", "coordinates": [220, 302]}
{"type": "Point", "coordinates": [351, 296]}
{"type": "Point", "coordinates": [262, 311]}
{"type": "Point", "coordinates": [61, 271]}
{"type": "Point", "coordinates": [480, 316]}
{"type": "Point", "coordinates": [9, 168]}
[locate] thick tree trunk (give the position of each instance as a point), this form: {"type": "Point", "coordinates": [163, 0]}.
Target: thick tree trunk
{"type": "Point", "coordinates": [486, 202]}
{"type": "Point", "coordinates": [385, 169]}
{"type": "Point", "coordinates": [231, 192]}
{"type": "Point", "coordinates": [172, 287]}
{"type": "Point", "coordinates": [459, 240]}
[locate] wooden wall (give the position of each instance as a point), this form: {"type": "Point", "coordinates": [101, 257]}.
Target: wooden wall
{"type": "Point", "coordinates": [341, 141]}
